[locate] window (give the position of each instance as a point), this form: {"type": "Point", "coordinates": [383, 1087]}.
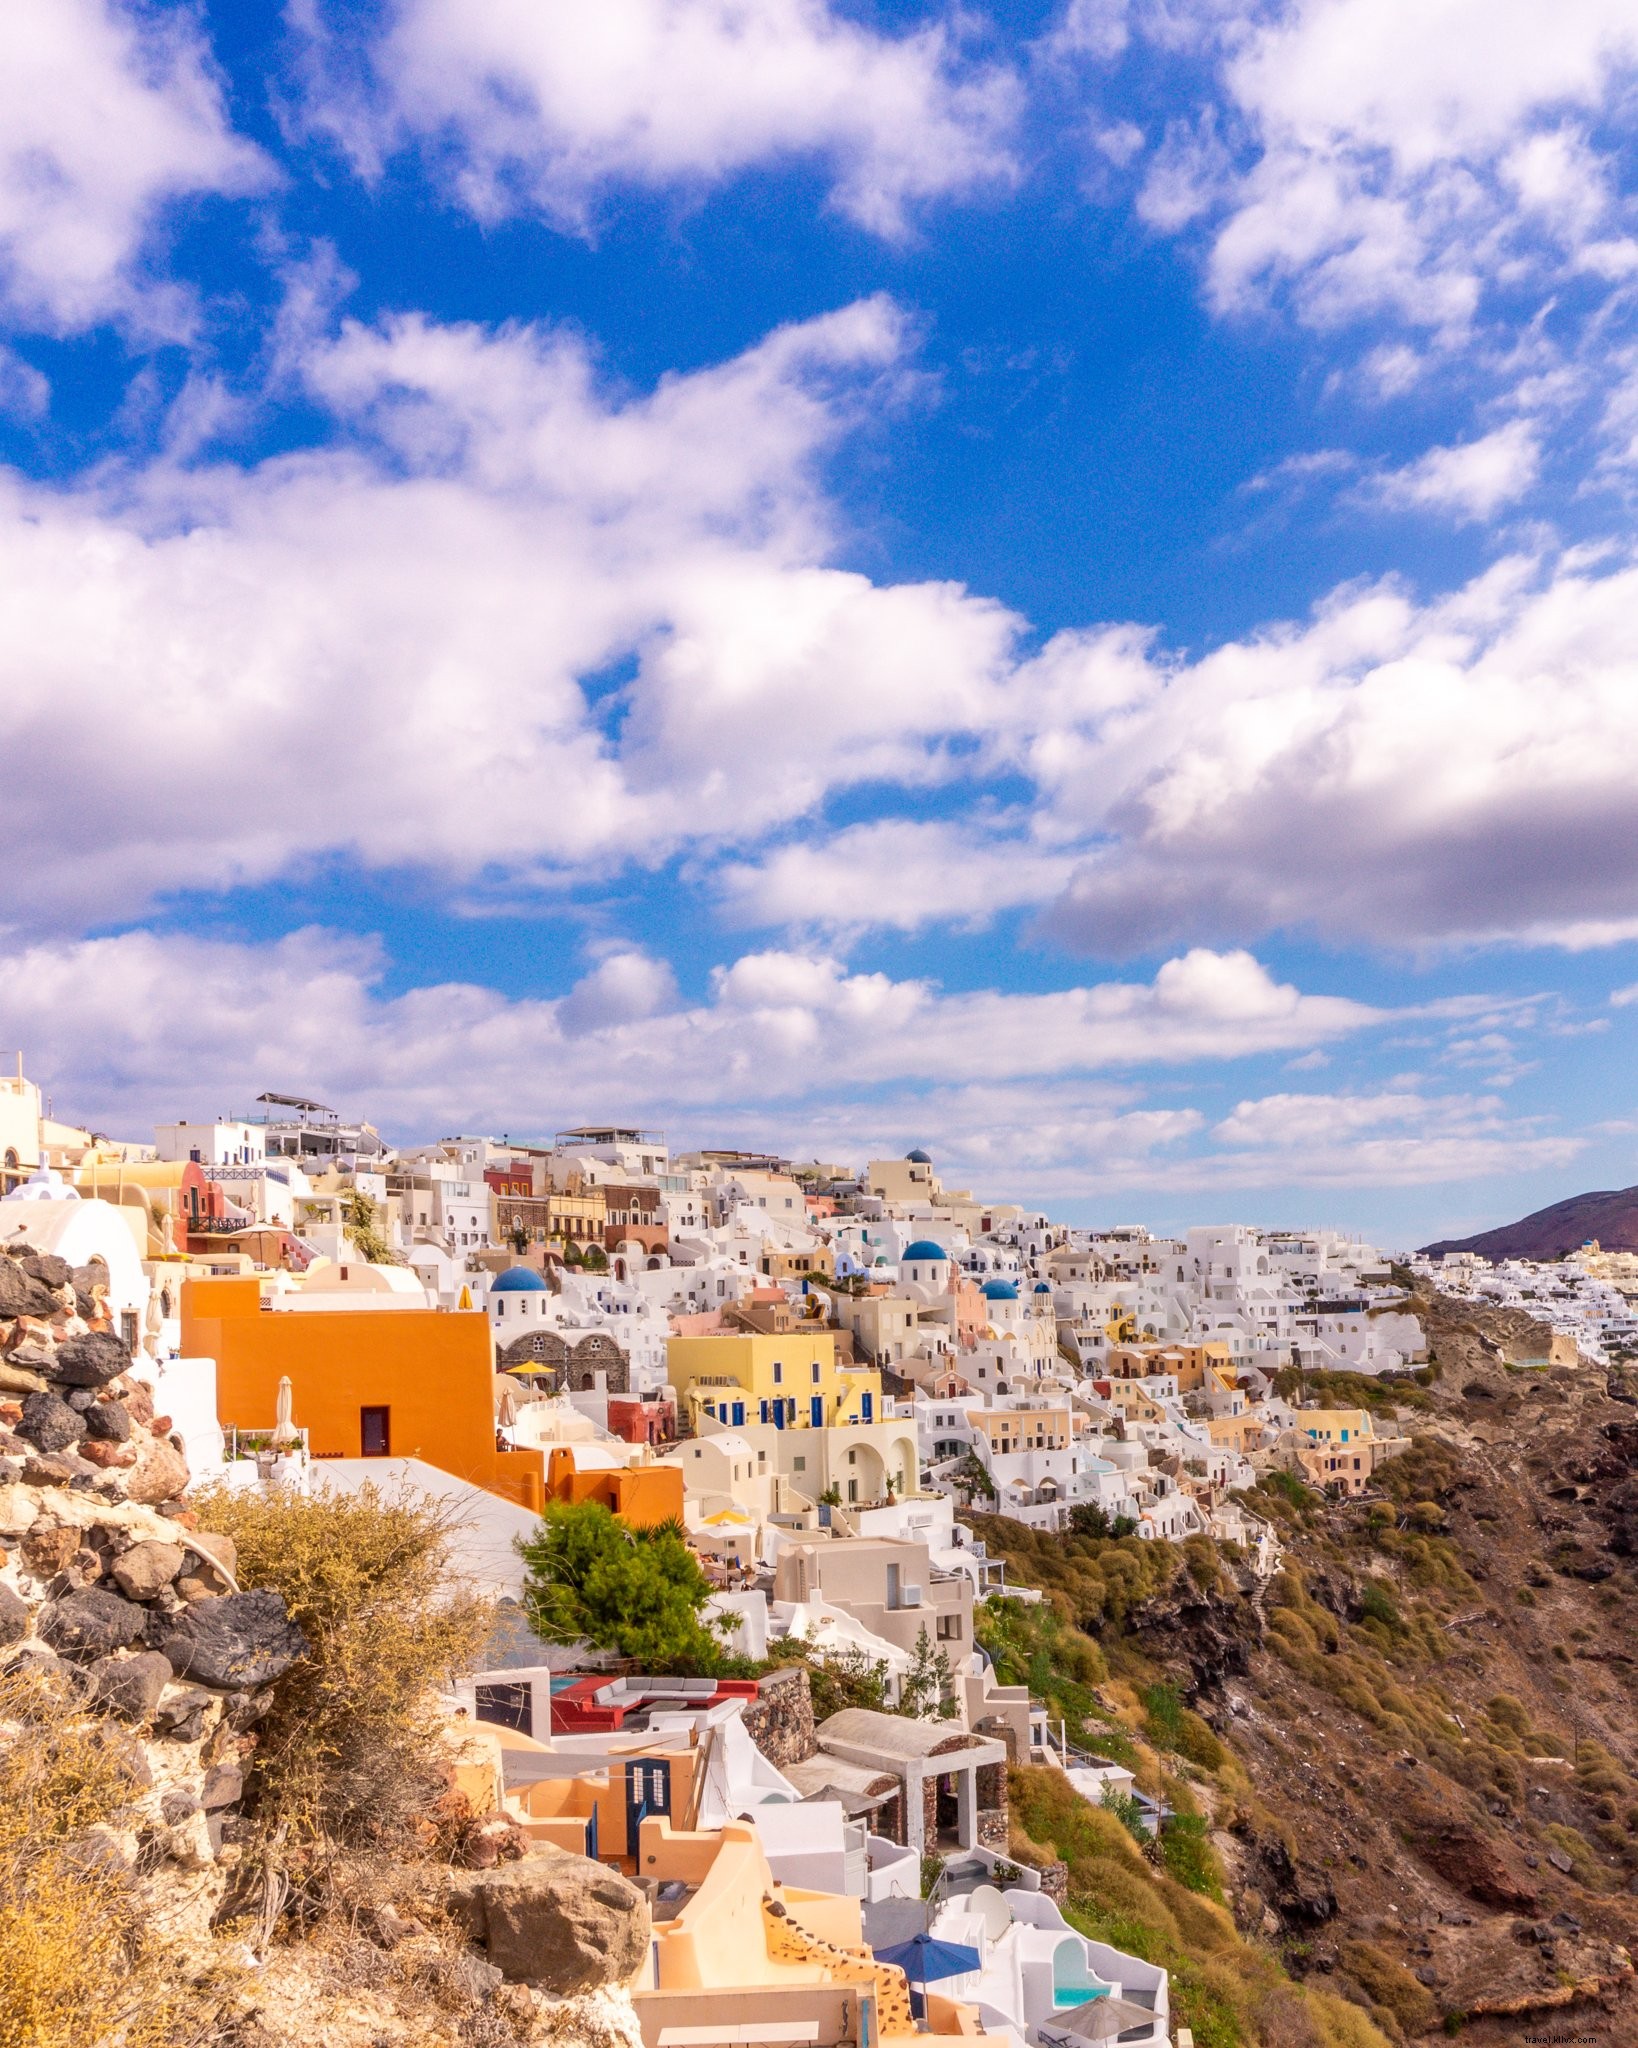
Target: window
{"type": "Point", "coordinates": [799, 1464]}
{"type": "Point", "coordinates": [779, 1373]}
{"type": "Point", "coordinates": [949, 1628]}
{"type": "Point", "coordinates": [816, 1372]}
{"type": "Point", "coordinates": [375, 1432]}
{"type": "Point", "coordinates": [507, 1706]}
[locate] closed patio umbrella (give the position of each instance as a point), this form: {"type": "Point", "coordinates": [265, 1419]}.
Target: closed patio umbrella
{"type": "Point", "coordinates": [284, 1430]}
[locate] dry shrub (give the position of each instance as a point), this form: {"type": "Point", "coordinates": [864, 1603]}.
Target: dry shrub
{"type": "Point", "coordinates": [1389, 1985]}
{"type": "Point", "coordinates": [349, 1750]}
{"type": "Point", "coordinates": [78, 1965]}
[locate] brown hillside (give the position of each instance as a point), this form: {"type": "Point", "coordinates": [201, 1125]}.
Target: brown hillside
{"type": "Point", "coordinates": [1610, 1216]}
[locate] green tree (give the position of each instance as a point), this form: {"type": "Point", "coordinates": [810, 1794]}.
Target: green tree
{"type": "Point", "coordinates": [927, 1692]}
{"type": "Point", "coordinates": [640, 1592]}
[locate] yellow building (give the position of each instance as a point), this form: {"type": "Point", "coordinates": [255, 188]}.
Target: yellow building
{"type": "Point", "coordinates": [791, 1379]}
{"type": "Point", "coordinates": [1335, 1425]}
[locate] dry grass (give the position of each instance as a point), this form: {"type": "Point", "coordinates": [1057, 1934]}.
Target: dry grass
{"type": "Point", "coordinates": [348, 1751]}
{"type": "Point", "coordinates": [78, 1965]}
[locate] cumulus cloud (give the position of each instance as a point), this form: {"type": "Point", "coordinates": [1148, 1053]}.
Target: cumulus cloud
{"type": "Point", "coordinates": [531, 109]}
{"type": "Point", "coordinates": [897, 874]}
{"type": "Point", "coordinates": [107, 114]}
{"type": "Point", "coordinates": [143, 1018]}
{"type": "Point", "coordinates": [508, 619]}
{"type": "Point", "coordinates": [1379, 167]}
{"type": "Point", "coordinates": [1389, 771]}
{"type": "Point", "coordinates": [1390, 1139]}
{"type": "Point", "coordinates": [1470, 480]}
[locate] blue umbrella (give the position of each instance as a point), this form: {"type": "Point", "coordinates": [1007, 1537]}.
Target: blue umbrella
{"type": "Point", "coordinates": [924, 1960]}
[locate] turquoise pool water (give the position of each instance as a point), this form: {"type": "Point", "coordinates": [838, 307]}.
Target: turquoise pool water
{"type": "Point", "coordinates": [1077, 1994]}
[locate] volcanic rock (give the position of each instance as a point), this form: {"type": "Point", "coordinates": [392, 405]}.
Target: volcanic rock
{"type": "Point", "coordinates": [90, 1360]}
{"type": "Point", "coordinates": [560, 1922]}
{"type": "Point", "coordinates": [92, 1623]}
{"type": "Point", "coordinates": [239, 1641]}
{"type": "Point", "coordinates": [145, 1568]}
{"type": "Point", "coordinates": [129, 1686]}
{"type": "Point", "coordinates": [49, 1423]}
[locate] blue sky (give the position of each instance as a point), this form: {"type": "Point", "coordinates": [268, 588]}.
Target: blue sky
{"type": "Point", "coordinates": [1056, 585]}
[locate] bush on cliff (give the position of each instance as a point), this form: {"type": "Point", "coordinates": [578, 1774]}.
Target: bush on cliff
{"type": "Point", "coordinates": [348, 1748]}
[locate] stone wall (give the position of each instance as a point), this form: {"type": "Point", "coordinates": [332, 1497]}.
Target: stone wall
{"type": "Point", "coordinates": [992, 1829]}
{"type": "Point", "coordinates": [1055, 1882]}
{"type": "Point", "coordinates": [992, 1807]}
{"type": "Point", "coordinates": [780, 1719]}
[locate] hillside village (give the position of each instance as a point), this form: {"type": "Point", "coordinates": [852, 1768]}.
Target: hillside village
{"type": "Point", "coordinates": [846, 1408]}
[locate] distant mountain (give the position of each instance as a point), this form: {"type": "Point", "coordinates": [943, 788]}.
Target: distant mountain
{"type": "Point", "coordinates": [1610, 1215]}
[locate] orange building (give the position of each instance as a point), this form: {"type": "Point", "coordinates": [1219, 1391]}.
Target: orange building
{"type": "Point", "coordinates": [409, 1383]}
{"type": "Point", "coordinates": [644, 1495]}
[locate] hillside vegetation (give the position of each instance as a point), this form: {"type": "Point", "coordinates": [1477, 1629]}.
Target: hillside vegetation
{"type": "Point", "coordinates": [1406, 1762]}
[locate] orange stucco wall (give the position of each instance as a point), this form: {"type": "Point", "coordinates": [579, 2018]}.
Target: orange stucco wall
{"type": "Point", "coordinates": [433, 1371]}
{"type": "Point", "coordinates": [643, 1495]}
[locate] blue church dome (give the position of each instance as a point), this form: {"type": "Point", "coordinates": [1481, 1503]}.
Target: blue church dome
{"type": "Point", "coordinates": [1000, 1290]}
{"type": "Point", "coordinates": [924, 1248]}
{"type": "Point", "coordinates": [1043, 1286]}
{"type": "Point", "coordinates": [919, 1157]}
{"type": "Point", "coordinates": [518, 1280]}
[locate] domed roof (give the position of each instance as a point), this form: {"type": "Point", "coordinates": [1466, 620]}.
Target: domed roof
{"type": "Point", "coordinates": [518, 1280]}
{"type": "Point", "coordinates": [1043, 1286]}
{"type": "Point", "coordinates": [1000, 1290]}
{"type": "Point", "coordinates": [924, 1248]}
{"type": "Point", "coordinates": [919, 1157]}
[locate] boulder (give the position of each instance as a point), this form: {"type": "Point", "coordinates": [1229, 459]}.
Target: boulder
{"type": "Point", "coordinates": [91, 1360]}
{"type": "Point", "coordinates": [560, 1922]}
{"type": "Point", "coordinates": [208, 1543]}
{"type": "Point", "coordinates": [13, 1617]}
{"type": "Point", "coordinates": [49, 1423]}
{"type": "Point", "coordinates": [21, 1294]}
{"type": "Point", "coordinates": [129, 1686]}
{"type": "Point", "coordinates": [239, 1641]}
{"type": "Point", "coordinates": [54, 1468]}
{"type": "Point", "coordinates": [184, 1712]}
{"type": "Point", "coordinates": [110, 1421]}
{"type": "Point", "coordinates": [108, 1457]}
{"type": "Point", "coordinates": [21, 1379]}
{"type": "Point", "coordinates": [91, 1623]}
{"type": "Point", "coordinates": [159, 1474]}
{"type": "Point", "coordinates": [141, 1571]}
{"type": "Point", "coordinates": [48, 1269]}
{"type": "Point", "coordinates": [48, 1549]}
{"type": "Point", "coordinates": [224, 1786]}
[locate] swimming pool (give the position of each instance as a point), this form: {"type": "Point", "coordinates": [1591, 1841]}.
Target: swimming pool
{"type": "Point", "coordinates": [1077, 1994]}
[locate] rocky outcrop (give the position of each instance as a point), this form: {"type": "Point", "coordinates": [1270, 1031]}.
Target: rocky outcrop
{"type": "Point", "coordinates": [108, 1590]}
{"type": "Point", "coordinates": [557, 1921]}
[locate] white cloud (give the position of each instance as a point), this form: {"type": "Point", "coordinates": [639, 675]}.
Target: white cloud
{"type": "Point", "coordinates": [1624, 998]}
{"type": "Point", "coordinates": [107, 113]}
{"type": "Point", "coordinates": [1462, 770]}
{"type": "Point", "coordinates": [1390, 168]}
{"type": "Point", "coordinates": [1471, 480]}
{"type": "Point", "coordinates": [534, 108]}
{"type": "Point", "coordinates": [621, 988]}
{"type": "Point", "coordinates": [1383, 1140]}
{"type": "Point", "coordinates": [377, 650]}
{"type": "Point", "coordinates": [142, 1020]}
{"type": "Point", "coordinates": [897, 874]}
